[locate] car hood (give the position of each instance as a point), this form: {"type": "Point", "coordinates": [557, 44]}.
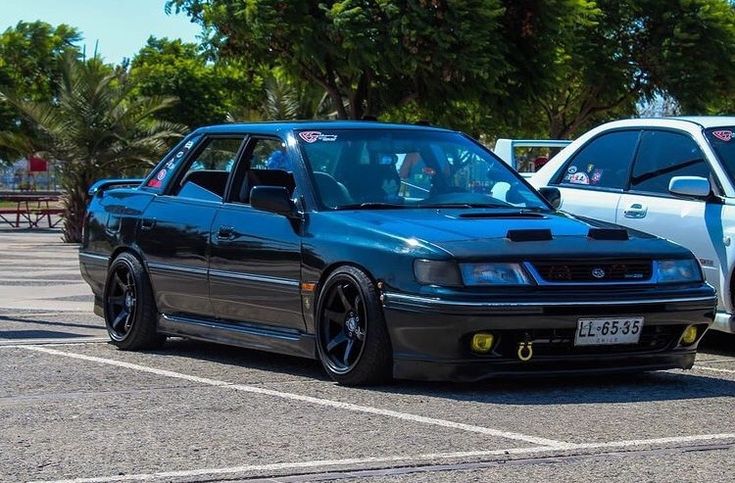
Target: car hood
{"type": "Point", "coordinates": [466, 234]}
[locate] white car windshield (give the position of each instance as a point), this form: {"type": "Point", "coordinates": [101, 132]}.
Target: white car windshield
{"type": "Point", "coordinates": [411, 168]}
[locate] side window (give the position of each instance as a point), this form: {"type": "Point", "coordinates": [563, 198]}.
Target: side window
{"type": "Point", "coordinates": [266, 163]}
{"type": "Point", "coordinates": [663, 155]}
{"type": "Point", "coordinates": [206, 176]}
{"type": "Point", "coordinates": [269, 154]}
{"type": "Point", "coordinates": [602, 163]}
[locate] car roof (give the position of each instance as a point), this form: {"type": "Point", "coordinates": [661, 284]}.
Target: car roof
{"type": "Point", "coordinates": [709, 121]}
{"type": "Point", "coordinates": [281, 126]}
{"type": "Point", "coordinates": [684, 122]}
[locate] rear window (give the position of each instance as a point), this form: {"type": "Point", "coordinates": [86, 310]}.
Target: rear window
{"type": "Point", "coordinates": [173, 160]}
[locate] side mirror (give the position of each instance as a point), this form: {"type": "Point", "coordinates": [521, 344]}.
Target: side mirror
{"type": "Point", "coordinates": [552, 195]}
{"type": "Point", "coordinates": [274, 199]}
{"type": "Point", "coordinates": [694, 186]}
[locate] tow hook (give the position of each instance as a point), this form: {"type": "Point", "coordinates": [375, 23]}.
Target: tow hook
{"type": "Point", "coordinates": [525, 351]}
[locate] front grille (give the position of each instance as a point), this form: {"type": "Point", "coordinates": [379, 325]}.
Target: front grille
{"type": "Point", "coordinates": [560, 342]}
{"type": "Point", "coordinates": [590, 271]}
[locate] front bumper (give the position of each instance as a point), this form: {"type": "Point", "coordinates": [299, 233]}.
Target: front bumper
{"type": "Point", "coordinates": [431, 335]}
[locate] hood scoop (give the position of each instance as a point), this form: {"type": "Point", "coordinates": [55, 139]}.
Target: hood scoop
{"type": "Point", "coordinates": [507, 215]}
{"type": "Point", "coordinates": [617, 234]}
{"type": "Point", "coordinates": [529, 235]}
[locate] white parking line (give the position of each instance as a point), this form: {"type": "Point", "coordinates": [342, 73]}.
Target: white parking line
{"type": "Point", "coordinates": [656, 441]}
{"type": "Point", "coordinates": [313, 400]}
{"type": "Point", "coordinates": [16, 343]}
{"type": "Point", "coordinates": [714, 369]}
{"type": "Point", "coordinates": [299, 465]}
{"type": "Point", "coordinates": [303, 465]}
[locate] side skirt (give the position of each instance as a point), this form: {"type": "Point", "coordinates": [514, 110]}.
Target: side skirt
{"type": "Point", "coordinates": [283, 341]}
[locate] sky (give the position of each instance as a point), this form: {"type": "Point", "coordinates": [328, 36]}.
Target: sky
{"type": "Point", "coordinates": [120, 26]}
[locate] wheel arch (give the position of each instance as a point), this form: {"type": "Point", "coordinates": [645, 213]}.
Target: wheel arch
{"type": "Point", "coordinates": [330, 269]}
{"type": "Point", "coordinates": [127, 249]}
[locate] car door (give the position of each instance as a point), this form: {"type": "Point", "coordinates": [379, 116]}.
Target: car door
{"type": "Point", "coordinates": [649, 206]}
{"type": "Point", "coordinates": [174, 230]}
{"type": "Point", "coordinates": [255, 262]}
{"type": "Point", "coordinates": [592, 181]}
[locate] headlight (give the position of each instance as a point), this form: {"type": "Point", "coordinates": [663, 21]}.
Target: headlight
{"type": "Point", "coordinates": [671, 271]}
{"type": "Point", "coordinates": [437, 272]}
{"type": "Point", "coordinates": [493, 274]}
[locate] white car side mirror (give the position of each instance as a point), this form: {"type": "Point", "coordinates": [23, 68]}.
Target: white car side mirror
{"type": "Point", "coordinates": [690, 186]}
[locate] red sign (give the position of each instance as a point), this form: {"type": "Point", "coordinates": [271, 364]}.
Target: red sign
{"type": "Point", "coordinates": [37, 165]}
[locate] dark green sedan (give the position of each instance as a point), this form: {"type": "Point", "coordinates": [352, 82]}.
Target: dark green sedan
{"type": "Point", "coordinates": [384, 251]}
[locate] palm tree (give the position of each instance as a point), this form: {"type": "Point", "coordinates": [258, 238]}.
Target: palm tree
{"type": "Point", "coordinates": [287, 99]}
{"type": "Point", "coordinates": [94, 129]}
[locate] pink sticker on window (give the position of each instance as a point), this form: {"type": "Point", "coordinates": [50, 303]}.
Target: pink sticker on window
{"type": "Point", "coordinates": [723, 135]}
{"type": "Point", "coordinates": [310, 136]}
{"type": "Point", "coordinates": [314, 136]}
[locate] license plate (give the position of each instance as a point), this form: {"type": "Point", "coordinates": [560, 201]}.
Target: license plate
{"type": "Point", "coordinates": [608, 331]}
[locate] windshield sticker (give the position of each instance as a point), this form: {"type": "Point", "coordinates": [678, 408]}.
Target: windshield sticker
{"type": "Point", "coordinates": [314, 136]}
{"type": "Point", "coordinates": [723, 135]}
{"type": "Point", "coordinates": [572, 169]}
{"type": "Point", "coordinates": [579, 178]}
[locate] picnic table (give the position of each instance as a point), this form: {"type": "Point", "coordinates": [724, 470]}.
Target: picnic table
{"type": "Point", "coordinates": [29, 209]}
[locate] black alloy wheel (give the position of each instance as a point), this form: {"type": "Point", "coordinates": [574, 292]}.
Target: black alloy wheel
{"type": "Point", "coordinates": [130, 314]}
{"type": "Point", "coordinates": [353, 342]}
{"type": "Point", "coordinates": [121, 301]}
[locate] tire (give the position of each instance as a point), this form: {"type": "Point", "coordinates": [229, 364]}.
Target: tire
{"type": "Point", "coordinates": [129, 308]}
{"type": "Point", "coordinates": [352, 339]}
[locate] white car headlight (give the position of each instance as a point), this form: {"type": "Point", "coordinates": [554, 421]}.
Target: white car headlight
{"type": "Point", "coordinates": [672, 271]}
{"type": "Point", "coordinates": [493, 274]}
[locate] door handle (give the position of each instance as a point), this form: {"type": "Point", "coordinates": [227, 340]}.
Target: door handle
{"type": "Point", "coordinates": [226, 232]}
{"type": "Point", "coordinates": [147, 224]}
{"type": "Point", "coordinates": [636, 210]}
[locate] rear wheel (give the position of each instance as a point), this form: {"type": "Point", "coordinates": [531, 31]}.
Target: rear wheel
{"type": "Point", "coordinates": [352, 339]}
{"type": "Point", "coordinates": [130, 311]}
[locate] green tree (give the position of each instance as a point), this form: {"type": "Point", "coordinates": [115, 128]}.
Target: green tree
{"type": "Point", "coordinates": [207, 91]}
{"type": "Point", "coordinates": [365, 55]}
{"type": "Point", "coordinates": [602, 64]}
{"type": "Point", "coordinates": [92, 129]}
{"type": "Point", "coordinates": [29, 66]}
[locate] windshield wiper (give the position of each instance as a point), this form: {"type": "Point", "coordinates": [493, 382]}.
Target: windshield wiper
{"type": "Point", "coordinates": [372, 205]}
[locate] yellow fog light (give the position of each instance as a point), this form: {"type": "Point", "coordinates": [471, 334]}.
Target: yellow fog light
{"type": "Point", "coordinates": [690, 335]}
{"type": "Point", "coordinates": [482, 342]}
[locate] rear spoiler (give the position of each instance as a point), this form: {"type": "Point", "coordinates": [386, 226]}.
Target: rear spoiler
{"type": "Point", "coordinates": [104, 184]}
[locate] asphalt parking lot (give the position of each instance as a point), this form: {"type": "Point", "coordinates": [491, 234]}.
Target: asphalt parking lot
{"type": "Point", "coordinates": [74, 408]}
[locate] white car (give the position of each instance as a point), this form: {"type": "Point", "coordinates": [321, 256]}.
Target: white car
{"type": "Point", "coordinates": [671, 177]}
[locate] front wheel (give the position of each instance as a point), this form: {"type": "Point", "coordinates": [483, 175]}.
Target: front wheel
{"type": "Point", "coordinates": [352, 338]}
{"type": "Point", "coordinates": [130, 311]}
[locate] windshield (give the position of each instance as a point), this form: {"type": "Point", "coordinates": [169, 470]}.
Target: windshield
{"type": "Point", "coordinates": [406, 168]}
{"type": "Point", "coordinates": [722, 140]}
